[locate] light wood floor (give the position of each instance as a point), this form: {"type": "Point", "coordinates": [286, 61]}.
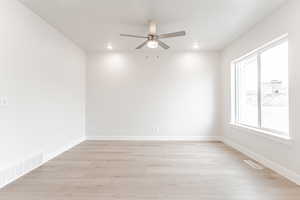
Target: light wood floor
{"type": "Point", "coordinates": [150, 171]}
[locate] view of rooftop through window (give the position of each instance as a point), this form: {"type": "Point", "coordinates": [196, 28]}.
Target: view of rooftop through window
{"type": "Point", "coordinates": [262, 89]}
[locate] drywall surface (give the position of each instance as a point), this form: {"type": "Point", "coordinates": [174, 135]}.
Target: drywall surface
{"type": "Point", "coordinates": [42, 85]}
{"type": "Point", "coordinates": [285, 20]}
{"type": "Point", "coordinates": [153, 95]}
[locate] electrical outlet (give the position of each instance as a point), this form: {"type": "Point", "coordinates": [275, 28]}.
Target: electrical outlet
{"type": "Point", "coordinates": [155, 130]}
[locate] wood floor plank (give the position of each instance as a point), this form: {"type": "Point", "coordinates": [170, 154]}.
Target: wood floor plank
{"type": "Point", "coordinates": [113, 170]}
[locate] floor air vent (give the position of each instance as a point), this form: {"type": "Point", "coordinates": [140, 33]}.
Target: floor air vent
{"type": "Point", "coordinates": [254, 165]}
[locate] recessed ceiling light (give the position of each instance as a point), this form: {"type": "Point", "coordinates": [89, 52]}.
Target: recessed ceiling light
{"type": "Point", "coordinates": [109, 47]}
{"type": "Point", "coordinates": [196, 46]}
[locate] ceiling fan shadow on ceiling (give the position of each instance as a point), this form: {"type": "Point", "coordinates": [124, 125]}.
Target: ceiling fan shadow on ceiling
{"type": "Point", "coordinates": [153, 39]}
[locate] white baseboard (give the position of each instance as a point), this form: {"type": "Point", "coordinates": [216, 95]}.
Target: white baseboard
{"type": "Point", "coordinates": [51, 155]}
{"type": "Point", "coordinates": [155, 138]}
{"type": "Point", "coordinates": [287, 173]}
{"type": "Point", "coordinates": [19, 169]}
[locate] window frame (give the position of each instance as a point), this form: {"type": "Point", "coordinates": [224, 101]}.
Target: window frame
{"type": "Point", "coordinates": [234, 94]}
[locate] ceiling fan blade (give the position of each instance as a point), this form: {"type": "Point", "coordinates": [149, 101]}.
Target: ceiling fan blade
{"type": "Point", "coordinates": [152, 27]}
{"type": "Point", "coordinates": [169, 35]}
{"type": "Point", "coordinates": [163, 45]}
{"type": "Point", "coordinates": [142, 45]}
{"type": "Point", "coordinates": [134, 36]}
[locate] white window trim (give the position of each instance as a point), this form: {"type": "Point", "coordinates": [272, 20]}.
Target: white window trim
{"type": "Point", "coordinates": [269, 133]}
{"type": "Point", "coordinates": [261, 133]}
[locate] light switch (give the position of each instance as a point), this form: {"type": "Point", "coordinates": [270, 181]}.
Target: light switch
{"type": "Point", "coordinates": [3, 101]}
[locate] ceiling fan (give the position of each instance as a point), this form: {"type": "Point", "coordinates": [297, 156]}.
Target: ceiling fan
{"type": "Point", "coordinates": [153, 39]}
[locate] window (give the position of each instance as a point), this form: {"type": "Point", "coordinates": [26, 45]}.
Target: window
{"type": "Point", "coordinates": [261, 99]}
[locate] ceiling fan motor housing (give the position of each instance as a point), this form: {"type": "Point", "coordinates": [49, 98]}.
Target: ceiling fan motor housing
{"type": "Point", "coordinates": [152, 37]}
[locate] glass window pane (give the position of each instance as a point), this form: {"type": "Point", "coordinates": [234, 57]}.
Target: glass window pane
{"type": "Point", "coordinates": [247, 91]}
{"type": "Point", "coordinates": [274, 88]}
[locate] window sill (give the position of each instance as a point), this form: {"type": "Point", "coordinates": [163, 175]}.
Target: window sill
{"type": "Point", "coordinates": [262, 133]}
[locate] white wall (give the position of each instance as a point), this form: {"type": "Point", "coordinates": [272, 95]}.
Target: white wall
{"type": "Point", "coordinates": [285, 20]}
{"type": "Point", "coordinates": [42, 74]}
{"type": "Point", "coordinates": [175, 96]}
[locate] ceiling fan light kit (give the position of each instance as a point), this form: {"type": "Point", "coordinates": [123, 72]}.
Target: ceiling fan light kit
{"type": "Point", "coordinates": [152, 44]}
{"type": "Point", "coordinates": [153, 39]}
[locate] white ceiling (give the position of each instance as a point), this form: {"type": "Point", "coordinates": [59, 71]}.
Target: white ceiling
{"type": "Point", "coordinates": [92, 24]}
